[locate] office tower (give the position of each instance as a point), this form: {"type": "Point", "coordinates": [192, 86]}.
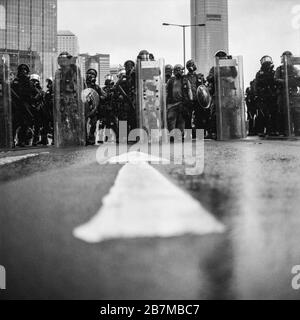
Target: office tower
{"type": "Point", "coordinates": [67, 41]}
{"type": "Point", "coordinates": [207, 40]}
{"type": "Point", "coordinates": [28, 34]}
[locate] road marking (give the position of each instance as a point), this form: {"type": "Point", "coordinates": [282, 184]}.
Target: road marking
{"type": "Point", "coordinates": [6, 160]}
{"type": "Point", "coordinates": [136, 157]}
{"type": "Point", "coordinates": [144, 203]}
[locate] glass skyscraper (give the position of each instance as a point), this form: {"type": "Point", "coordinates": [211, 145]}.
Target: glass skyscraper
{"type": "Point", "coordinates": [28, 34]}
{"type": "Point", "coordinates": [206, 41]}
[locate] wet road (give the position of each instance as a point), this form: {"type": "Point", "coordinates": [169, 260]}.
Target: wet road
{"type": "Point", "coordinates": [252, 187]}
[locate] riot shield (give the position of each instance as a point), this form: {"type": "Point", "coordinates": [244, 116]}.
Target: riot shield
{"type": "Point", "coordinates": [291, 96]}
{"type": "Point", "coordinates": [229, 99]}
{"type": "Point", "coordinates": [6, 136]}
{"type": "Point", "coordinates": [151, 99]}
{"type": "Point", "coordinates": [69, 112]}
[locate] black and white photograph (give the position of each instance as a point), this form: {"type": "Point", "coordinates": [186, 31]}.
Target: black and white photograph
{"type": "Point", "coordinates": [149, 150]}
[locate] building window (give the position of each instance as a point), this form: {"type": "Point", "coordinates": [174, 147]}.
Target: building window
{"type": "Point", "coordinates": [2, 17]}
{"type": "Point", "coordinates": [214, 17]}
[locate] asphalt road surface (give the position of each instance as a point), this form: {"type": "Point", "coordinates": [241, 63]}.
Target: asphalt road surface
{"type": "Point", "coordinates": [251, 187]}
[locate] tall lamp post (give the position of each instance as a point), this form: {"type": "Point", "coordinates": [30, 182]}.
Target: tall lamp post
{"type": "Point", "coordinates": [184, 26]}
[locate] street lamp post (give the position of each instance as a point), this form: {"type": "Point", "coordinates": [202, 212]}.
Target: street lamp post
{"type": "Point", "coordinates": [184, 26]}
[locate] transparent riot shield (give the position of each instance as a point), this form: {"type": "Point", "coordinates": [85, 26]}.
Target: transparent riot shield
{"type": "Point", "coordinates": [6, 136]}
{"type": "Point", "coordinates": [151, 99]}
{"type": "Point", "coordinates": [291, 96]}
{"type": "Point", "coordinates": [69, 112]}
{"type": "Point", "coordinates": [229, 99]}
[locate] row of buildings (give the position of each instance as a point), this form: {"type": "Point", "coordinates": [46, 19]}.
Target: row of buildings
{"type": "Point", "coordinates": [28, 33]}
{"type": "Point", "coordinates": [68, 41]}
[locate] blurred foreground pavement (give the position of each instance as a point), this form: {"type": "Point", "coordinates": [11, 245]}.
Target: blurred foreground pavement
{"type": "Point", "coordinates": [252, 187]}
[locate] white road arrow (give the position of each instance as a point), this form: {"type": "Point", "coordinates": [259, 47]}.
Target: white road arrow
{"type": "Point", "coordinates": [143, 203]}
{"type": "Point", "coordinates": [6, 160]}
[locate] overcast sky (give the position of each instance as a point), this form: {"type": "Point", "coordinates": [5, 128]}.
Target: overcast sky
{"type": "Point", "coordinates": [124, 27]}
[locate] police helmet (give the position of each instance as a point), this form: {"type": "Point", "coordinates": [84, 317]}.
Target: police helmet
{"type": "Point", "coordinates": [65, 54]}
{"type": "Point", "coordinates": [190, 63]}
{"type": "Point", "coordinates": [168, 68]}
{"type": "Point", "coordinates": [266, 59]}
{"type": "Point", "coordinates": [151, 56]}
{"type": "Point", "coordinates": [178, 66]}
{"type": "Point", "coordinates": [128, 62]}
{"type": "Point", "coordinates": [92, 71]}
{"type": "Point", "coordinates": [143, 55]}
{"type": "Point", "coordinates": [50, 79]}
{"type": "Point", "coordinates": [221, 54]}
{"type": "Point", "coordinates": [35, 77]}
{"type": "Point", "coordinates": [23, 66]}
{"type": "Point", "coordinates": [107, 82]}
{"type": "Point", "coordinates": [287, 53]}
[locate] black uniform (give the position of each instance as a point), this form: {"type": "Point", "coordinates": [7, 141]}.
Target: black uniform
{"type": "Point", "coordinates": [250, 99]}
{"type": "Point", "coordinates": [108, 115]}
{"type": "Point", "coordinates": [22, 108]}
{"type": "Point", "coordinates": [266, 100]}
{"type": "Point", "coordinates": [198, 114]}
{"type": "Point", "coordinates": [294, 97]}
{"type": "Point", "coordinates": [125, 99]}
{"type": "Point", "coordinates": [37, 102]}
{"type": "Point", "coordinates": [96, 114]}
{"type": "Point", "coordinates": [47, 115]}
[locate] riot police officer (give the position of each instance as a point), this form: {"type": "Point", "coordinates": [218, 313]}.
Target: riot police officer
{"type": "Point", "coordinates": [108, 118]}
{"type": "Point", "coordinates": [293, 76]}
{"type": "Point", "coordinates": [226, 73]}
{"type": "Point", "coordinates": [47, 113]}
{"type": "Point", "coordinates": [37, 102]}
{"type": "Point", "coordinates": [250, 99]}
{"type": "Point", "coordinates": [179, 96]}
{"type": "Point", "coordinates": [168, 72]}
{"type": "Point", "coordinates": [199, 114]}
{"type": "Point", "coordinates": [95, 114]}
{"type": "Point", "coordinates": [22, 91]}
{"type": "Point", "coordinates": [124, 95]}
{"type": "Point", "coordinates": [266, 98]}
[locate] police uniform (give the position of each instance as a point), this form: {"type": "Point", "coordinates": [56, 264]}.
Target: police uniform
{"type": "Point", "coordinates": [200, 115]}
{"type": "Point", "coordinates": [294, 97]}
{"type": "Point", "coordinates": [22, 111]}
{"type": "Point", "coordinates": [178, 99]}
{"type": "Point", "coordinates": [266, 101]}
{"type": "Point", "coordinates": [97, 113]}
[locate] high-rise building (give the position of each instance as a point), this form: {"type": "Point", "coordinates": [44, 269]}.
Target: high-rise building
{"type": "Point", "coordinates": [99, 62]}
{"type": "Point", "coordinates": [67, 41]}
{"type": "Point", "coordinates": [28, 34]}
{"type": "Point", "coordinates": [207, 40]}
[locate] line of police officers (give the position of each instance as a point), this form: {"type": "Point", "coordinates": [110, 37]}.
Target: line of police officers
{"type": "Point", "coordinates": [32, 108]}
{"type": "Point", "coordinates": [265, 98]}
{"type": "Point", "coordinates": [187, 106]}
